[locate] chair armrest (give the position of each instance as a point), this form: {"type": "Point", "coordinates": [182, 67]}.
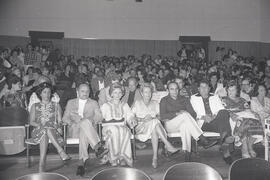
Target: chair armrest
{"type": "Point", "coordinates": [99, 128]}
{"type": "Point", "coordinates": [27, 127]}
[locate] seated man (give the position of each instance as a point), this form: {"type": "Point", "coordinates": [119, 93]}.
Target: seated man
{"type": "Point", "coordinates": [132, 94]}
{"type": "Point", "coordinates": [176, 112]}
{"type": "Point", "coordinates": [82, 114]}
{"type": "Point", "coordinates": [214, 117]}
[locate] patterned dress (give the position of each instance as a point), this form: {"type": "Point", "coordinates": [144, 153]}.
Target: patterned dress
{"type": "Point", "coordinates": [46, 117]}
{"type": "Point", "coordinates": [247, 123]}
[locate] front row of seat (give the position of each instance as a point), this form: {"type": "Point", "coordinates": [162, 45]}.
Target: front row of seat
{"type": "Point", "coordinates": [248, 169]}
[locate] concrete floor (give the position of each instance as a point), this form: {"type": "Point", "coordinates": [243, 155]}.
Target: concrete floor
{"type": "Point", "coordinates": [12, 167]}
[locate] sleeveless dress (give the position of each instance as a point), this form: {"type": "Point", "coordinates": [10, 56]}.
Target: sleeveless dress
{"type": "Point", "coordinates": [45, 115]}
{"type": "Point", "coordinates": [144, 129]}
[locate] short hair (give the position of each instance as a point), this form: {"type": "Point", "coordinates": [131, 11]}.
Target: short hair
{"type": "Point", "coordinates": [172, 82]}
{"type": "Point", "coordinates": [37, 70]}
{"type": "Point", "coordinates": [12, 79]}
{"type": "Point", "coordinates": [83, 83]}
{"type": "Point", "coordinates": [204, 81]}
{"type": "Point", "coordinates": [232, 83]}
{"type": "Point", "coordinates": [79, 82]}
{"type": "Point", "coordinates": [44, 78]}
{"type": "Point", "coordinates": [213, 74]}
{"type": "Point", "coordinates": [43, 86]}
{"type": "Point", "coordinates": [146, 85]}
{"type": "Point", "coordinates": [256, 89]}
{"type": "Point", "coordinates": [132, 78]}
{"type": "Point", "coordinates": [114, 86]}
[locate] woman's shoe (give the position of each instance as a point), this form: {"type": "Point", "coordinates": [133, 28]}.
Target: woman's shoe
{"type": "Point", "coordinates": [228, 160]}
{"type": "Point", "coordinates": [123, 163]}
{"type": "Point", "coordinates": [154, 163]}
{"type": "Point", "coordinates": [246, 156]}
{"type": "Point", "coordinates": [252, 153]}
{"type": "Point", "coordinates": [173, 150]}
{"type": "Point", "coordinates": [41, 168]}
{"type": "Point", "coordinates": [64, 156]}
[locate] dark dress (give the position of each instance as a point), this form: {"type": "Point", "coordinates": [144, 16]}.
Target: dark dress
{"type": "Point", "coordinates": [245, 127]}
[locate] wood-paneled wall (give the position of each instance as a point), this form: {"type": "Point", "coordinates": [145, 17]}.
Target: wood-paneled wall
{"type": "Point", "coordinates": [87, 47]}
{"type": "Point", "coordinates": [12, 41]}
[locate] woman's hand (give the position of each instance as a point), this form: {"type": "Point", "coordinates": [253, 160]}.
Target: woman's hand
{"type": "Point", "coordinates": [133, 122]}
{"type": "Point", "coordinates": [148, 117]}
{"type": "Point", "coordinates": [234, 116]}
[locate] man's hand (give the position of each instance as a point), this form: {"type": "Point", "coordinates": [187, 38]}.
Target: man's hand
{"type": "Point", "coordinates": [207, 118]}
{"type": "Point", "coordinates": [180, 112]}
{"type": "Point", "coordinates": [234, 116]}
{"type": "Point", "coordinates": [75, 116]}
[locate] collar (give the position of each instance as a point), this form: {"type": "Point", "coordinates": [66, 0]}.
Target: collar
{"type": "Point", "coordinates": [199, 95]}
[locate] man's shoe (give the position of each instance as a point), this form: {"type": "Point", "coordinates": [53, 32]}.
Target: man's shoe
{"type": "Point", "coordinates": [101, 151]}
{"type": "Point", "coordinates": [206, 143]}
{"type": "Point", "coordinates": [187, 156]}
{"type": "Point", "coordinates": [80, 171]}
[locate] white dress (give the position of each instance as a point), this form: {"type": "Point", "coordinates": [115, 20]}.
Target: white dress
{"type": "Point", "coordinates": [141, 110]}
{"type": "Point", "coordinates": [117, 136]}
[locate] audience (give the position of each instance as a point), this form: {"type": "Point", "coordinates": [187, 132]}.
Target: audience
{"type": "Point", "coordinates": [196, 87]}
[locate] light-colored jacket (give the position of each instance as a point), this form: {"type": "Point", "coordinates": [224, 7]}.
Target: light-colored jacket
{"type": "Point", "coordinates": [91, 112]}
{"type": "Point", "coordinates": [215, 103]}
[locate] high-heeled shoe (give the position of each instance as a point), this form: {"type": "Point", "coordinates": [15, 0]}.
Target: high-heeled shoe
{"type": "Point", "coordinates": [252, 153]}
{"type": "Point", "coordinates": [64, 156]}
{"type": "Point", "coordinates": [172, 151]}
{"type": "Point", "coordinates": [41, 168]}
{"type": "Point", "coordinates": [154, 163]}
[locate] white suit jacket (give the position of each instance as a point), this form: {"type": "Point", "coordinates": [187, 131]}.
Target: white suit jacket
{"type": "Point", "coordinates": [198, 105]}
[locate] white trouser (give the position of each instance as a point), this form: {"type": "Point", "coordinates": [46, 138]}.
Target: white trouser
{"type": "Point", "coordinates": [187, 126]}
{"type": "Point", "coordinates": [88, 136]}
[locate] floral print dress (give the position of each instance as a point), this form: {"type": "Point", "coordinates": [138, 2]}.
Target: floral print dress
{"type": "Point", "coordinates": [46, 117]}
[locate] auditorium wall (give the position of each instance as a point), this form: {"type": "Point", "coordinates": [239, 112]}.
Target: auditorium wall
{"type": "Point", "coordinates": [223, 20]}
{"type": "Point", "coordinates": [85, 47]}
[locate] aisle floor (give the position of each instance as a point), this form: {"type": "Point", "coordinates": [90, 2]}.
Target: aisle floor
{"type": "Point", "coordinates": [13, 167]}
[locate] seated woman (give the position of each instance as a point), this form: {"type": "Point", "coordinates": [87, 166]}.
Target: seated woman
{"type": "Point", "coordinates": [45, 116]}
{"type": "Point", "coordinates": [248, 126]}
{"type": "Point", "coordinates": [260, 104]}
{"type": "Point", "coordinates": [13, 96]}
{"type": "Point", "coordinates": [147, 113]}
{"type": "Point", "coordinates": [34, 98]}
{"type": "Point", "coordinates": [117, 136]}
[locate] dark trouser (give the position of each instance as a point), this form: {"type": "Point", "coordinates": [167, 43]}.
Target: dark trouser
{"type": "Point", "coordinates": [220, 124]}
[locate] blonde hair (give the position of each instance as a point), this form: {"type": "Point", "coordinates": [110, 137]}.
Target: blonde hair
{"type": "Point", "coordinates": [114, 86]}
{"type": "Point", "coordinates": [146, 85]}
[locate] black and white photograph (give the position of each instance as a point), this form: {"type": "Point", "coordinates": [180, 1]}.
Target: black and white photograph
{"type": "Point", "coordinates": [134, 89]}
